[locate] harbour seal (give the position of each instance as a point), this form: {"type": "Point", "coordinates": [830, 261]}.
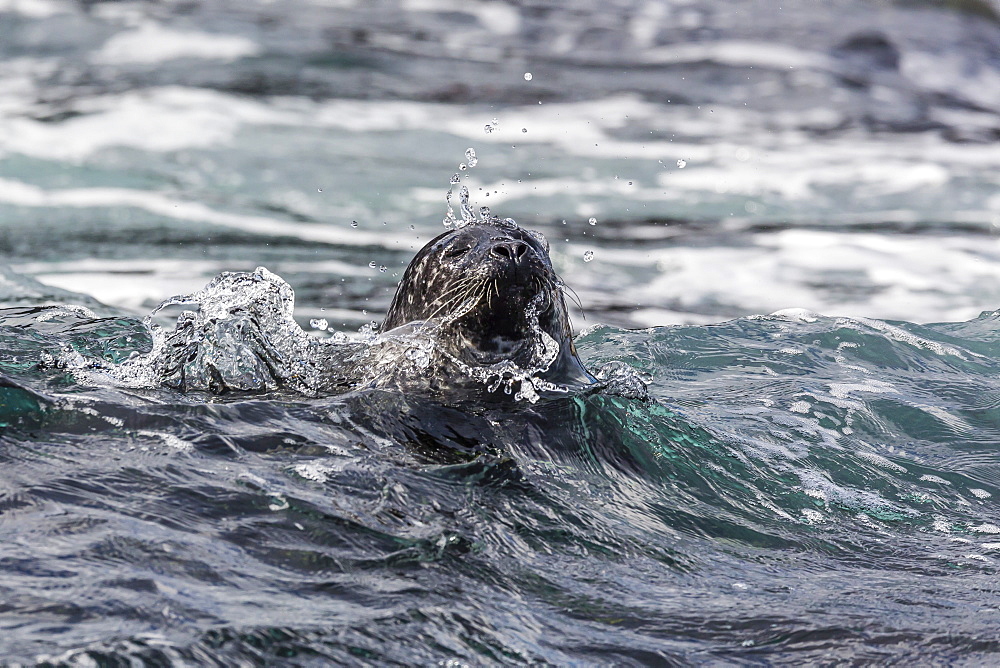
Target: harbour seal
{"type": "Point", "coordinates": [479, 307]}
{"type": "Point", "coordinates": [497, 305]}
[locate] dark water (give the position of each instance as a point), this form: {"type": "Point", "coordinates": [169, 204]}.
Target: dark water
{"type": "Point", "coordinates": [796, 489]}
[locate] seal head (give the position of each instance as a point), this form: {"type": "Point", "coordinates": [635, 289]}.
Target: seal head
{"type": "Point", "coordinates": [496, 298]}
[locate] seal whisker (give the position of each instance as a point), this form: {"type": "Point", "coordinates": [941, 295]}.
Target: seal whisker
{"type": "Point", "coordinates": [575, 298]}
{"type": "Point", "coordinates": [472, 287]}
{"type": "Point", "coordinates": [455, 294]}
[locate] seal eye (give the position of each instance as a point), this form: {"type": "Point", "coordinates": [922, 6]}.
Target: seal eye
{"type": "Point", "coordinates": [455, 251]}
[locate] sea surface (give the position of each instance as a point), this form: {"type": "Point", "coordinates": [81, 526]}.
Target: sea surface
{"type": "Point", "coordinates": [782, 219]}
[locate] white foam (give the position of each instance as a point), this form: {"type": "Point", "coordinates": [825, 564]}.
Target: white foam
{"type": "Point", "coordinates": [800, 407]}
{"type": "Point", "coordinates": [944, 278]}
{"type": "Point", "coordinates": [497, 17]}
{"type": "Point", "coordinates": [986, 527]}
{"type": "Point", "coordinates": [797, 314]}
{"type": "Point", "coordinates": [901, 335]}
{"type": "Point", "coordinates": [772, 176]}
{"type": "Point", "coordinates": [813, 516]}
{"type": "Point", "coordinates": [157, 120]}
{"type": "Point", "coordinates": [153, 43]}
{"type": "Point", "coordinates": [953, 74]}
{"type": "Point", "coordinates": [934, 479]}
{"type": "Point", "coordinates": [844, 390]}
{"type": "Point", "coordinates": [168, 439]}
{"type": "Point", "coordinates": [23, 194]}
{"type": "Point", "coordinates": [36, 9]}
{"type": "Point", "coordinates": [315, 470]}
{"type": "Point", "coordinates": [736, 54]}
{"type": "Point", "coordinates": [879, 460]}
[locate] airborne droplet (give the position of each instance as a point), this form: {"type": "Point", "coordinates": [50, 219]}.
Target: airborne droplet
{"type": "Point", "coordinates": [681, 164]}
{"type": "Point", "coordinates": [588, 256]}
{"type": "Point", "coordinates": [527, 76]}
{"type": "Point", "coordinates": [592, 221]}
{"type": "Point", "coordinates": [470, 157]}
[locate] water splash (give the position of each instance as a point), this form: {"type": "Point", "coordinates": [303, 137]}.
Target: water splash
{"type": "Point", "coordinates": [466, 206]}
{"type": "Point", "coordinates": [241, 336]}
{"type": "Point", "coordinates": [466, 209]}
{"type": "Point", "coordinates": [620, 379]}
{"type": "Point", "coordinates": [449, 217]}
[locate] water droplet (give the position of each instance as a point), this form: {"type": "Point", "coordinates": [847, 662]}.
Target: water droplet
{"type": "Point", "coordinates": [484, 214]}
{"type": "Point", "coordinates": [681, 164]}
{"type": "Point", "coordinates": [455, 178]}
{"type": "Point", "coordinates": [488, 128]}
{"type": "Point", "coordinates": [383, 268]}
{"type": "Point", "coordinates": [462, 166]}
{"type": "Point", "coordinates": [413, 227]}
{"type": "Point", "coordinates": [467, 216]}
{"type": "Point", "coordinates": [527, 76]}
{"type": "Point", "coordinates": [592, 221]}
{"type": "Point", "coordinates": [354, 223]}
{"type": "Point", "coordinates": [630, 183]}
{"type": "Point", "coordinates": [588, 256]}
{"type": "Point", "coordinates": [373, 264]}
{"type": "Point", "coordinates": [470, 157]}
{"type": "Point", "coordinates": [509, 222]}
{"type": "Point", "coordinates": [319, 323]}
{"type": "Point", "coordinates": [524, 129]}
{"type": "Point", "coordinates": [319, 190]}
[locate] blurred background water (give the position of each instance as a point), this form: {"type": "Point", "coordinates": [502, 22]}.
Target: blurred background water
{"type": "Point", "coordinates": [738, 157]}
{"type": "Point", "coordinates": [803, 487]}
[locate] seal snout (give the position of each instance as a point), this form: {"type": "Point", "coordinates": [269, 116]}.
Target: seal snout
{"type": "Point", "coordinates": [509, 250]}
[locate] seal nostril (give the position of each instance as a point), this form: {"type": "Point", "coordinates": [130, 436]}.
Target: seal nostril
{"type": "Point", "coordinates": [511, 250]}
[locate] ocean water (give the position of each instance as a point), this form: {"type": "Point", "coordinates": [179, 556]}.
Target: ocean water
{"type": "Point", "coordinates": [759, 208]}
